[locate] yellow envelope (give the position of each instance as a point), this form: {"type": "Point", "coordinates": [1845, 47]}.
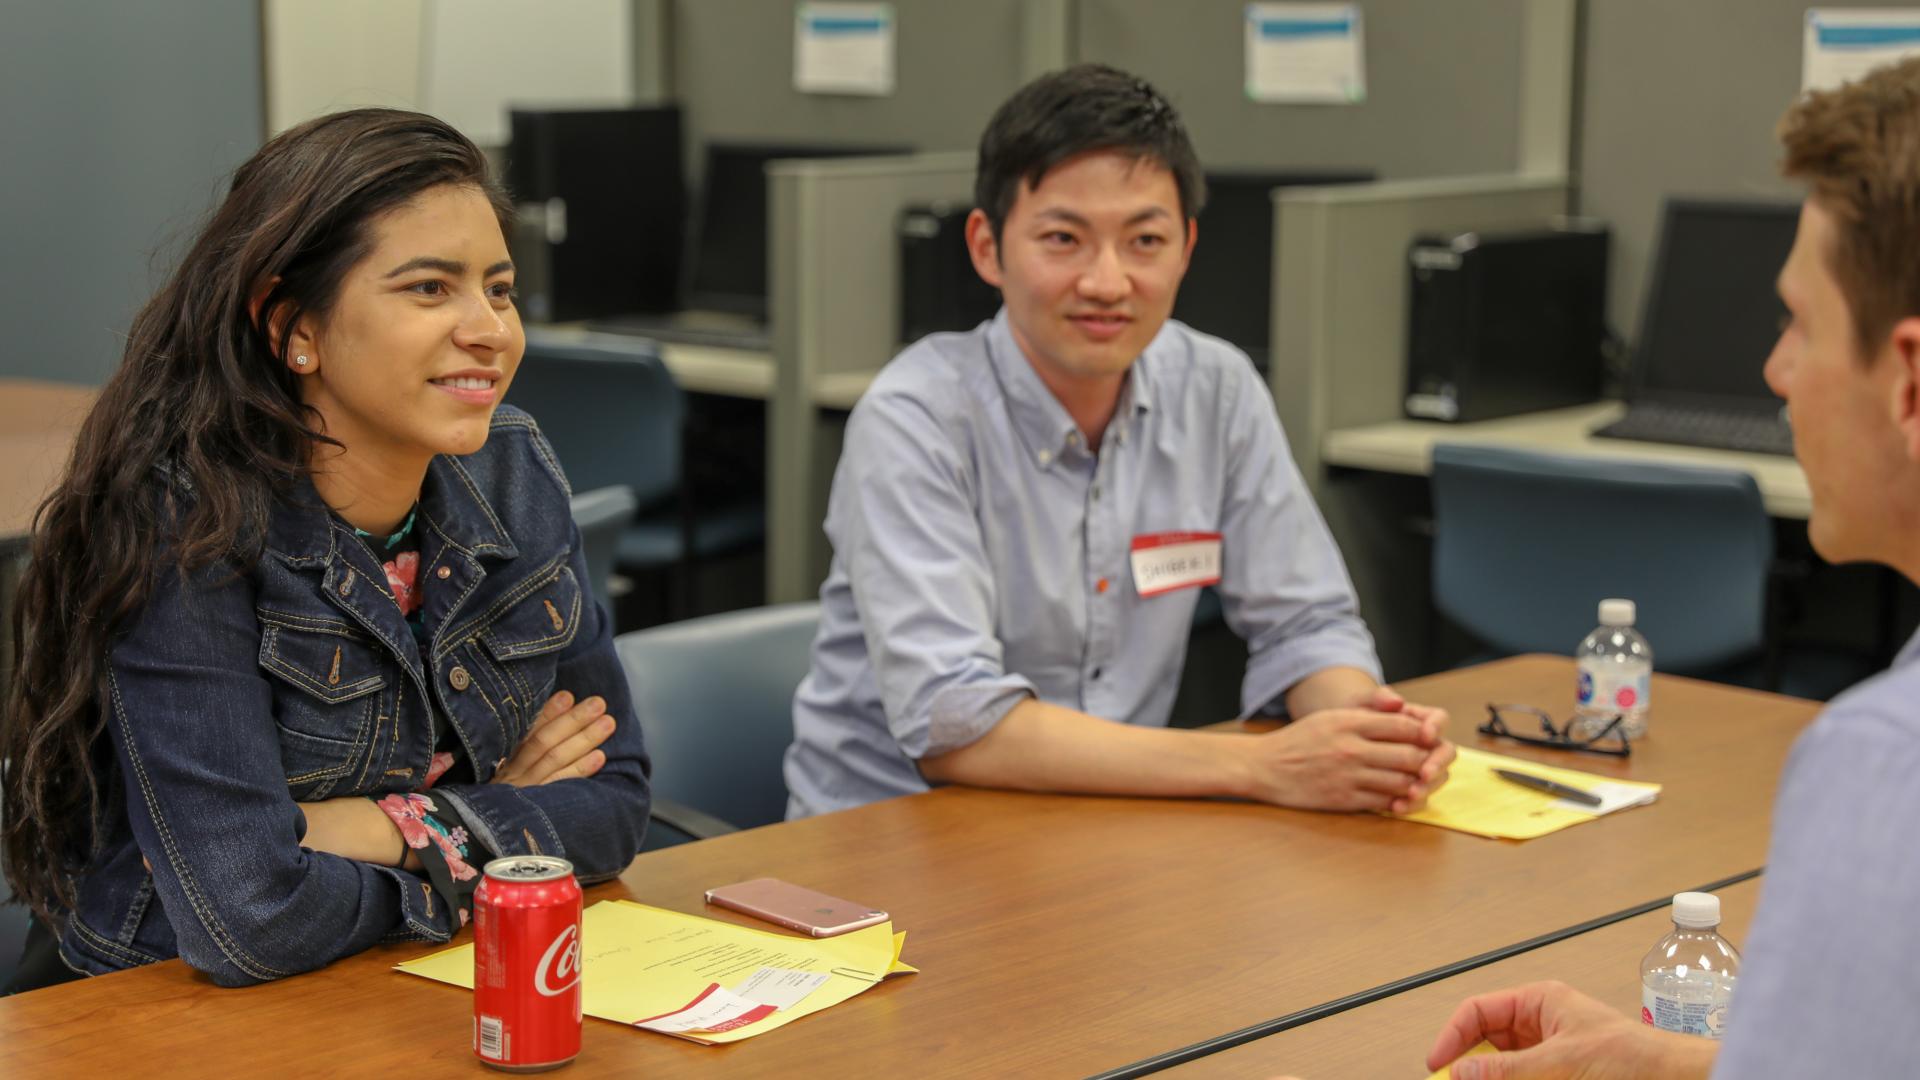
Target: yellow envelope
{"type": "Point", "coordinates": [640, 962]}
{"type": "Point", "coordinates": [1474, 800]}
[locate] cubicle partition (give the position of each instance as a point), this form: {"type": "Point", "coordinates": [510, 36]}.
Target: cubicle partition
{"type": "Point", "coordinates": [833, 274]}
{"type": "Point", "coordinates": [1447, 84]}
{"type": "Point", "coordinates": [731, 65]}
{"type": "Point", "coordinates": [1339, 356]}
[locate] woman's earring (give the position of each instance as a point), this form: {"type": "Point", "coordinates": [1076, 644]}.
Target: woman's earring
{"type": "Point", "coordinates": [302, 361]}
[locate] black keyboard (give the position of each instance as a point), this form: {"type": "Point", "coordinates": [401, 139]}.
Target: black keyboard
{"type": "Point", "coordinates": [1759, 433]}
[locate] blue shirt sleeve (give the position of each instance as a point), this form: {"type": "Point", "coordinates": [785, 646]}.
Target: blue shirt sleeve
{"type": "Point", "coordinates": [1283, 586]}
{"type": "Point", "coordinates": [1829, 977]}
{"type": "Point", "coordinates": [904, 522]}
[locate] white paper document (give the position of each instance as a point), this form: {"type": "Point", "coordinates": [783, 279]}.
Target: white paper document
{"type": "Point", "coordinates": [782, 988]}
{"type": "Point", "coordinates": [1842, 44]}
{"type": "Point", "coordinates": [757, 997]}
{"type": "Point", "coordinates": [1305, 53]}
{"type": "Point", "coordinates": [1612, 797]}
{"type": "Point", "coordinates": [843, 48]}
{"type": "Point", "coordinates": [714, 1010]}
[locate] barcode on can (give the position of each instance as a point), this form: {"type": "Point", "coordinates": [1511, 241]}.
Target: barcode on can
{"type": "Point", "coordinates": [493, 1038]}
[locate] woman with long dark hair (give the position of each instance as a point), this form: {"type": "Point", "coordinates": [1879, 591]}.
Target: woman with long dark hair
{"type": "Point", "coordinates": [305, 636]}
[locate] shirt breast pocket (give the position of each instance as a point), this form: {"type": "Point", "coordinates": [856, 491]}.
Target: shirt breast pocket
{"type": "Point", "coordinates": [525, 640]}
{"type": "Point", "coordinates": [331, 690]}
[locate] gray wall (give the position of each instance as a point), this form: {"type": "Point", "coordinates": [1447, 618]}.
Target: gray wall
{"type": "Point", "coordinates": [120, 118]}
{"type": "Point", "coordinates": [1443, 82]}
{"type": "Point", "coordinates": [732, 68]}
{"type": "Point", "coordinates": [1680, 99]}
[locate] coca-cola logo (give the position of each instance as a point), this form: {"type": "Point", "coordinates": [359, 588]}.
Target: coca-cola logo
{"type": "Point", "coordinates": [559, 964]}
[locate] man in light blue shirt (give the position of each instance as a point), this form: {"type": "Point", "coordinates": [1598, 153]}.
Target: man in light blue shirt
{"type": "Point", "coordinates": [1024, 514]}
{"type": "Point", "coordinates": [1831, 978]}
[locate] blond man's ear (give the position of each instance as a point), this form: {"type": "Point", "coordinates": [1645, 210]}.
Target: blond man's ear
{"type": "Point", "coordinates": [1903, 383]}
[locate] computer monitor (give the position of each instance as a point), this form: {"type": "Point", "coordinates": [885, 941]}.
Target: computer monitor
{"type": "Point", "coordinates": [1228, 290]}
{"type": "Point", "coordinates": [729, 270]}
{"type": "Point", "coordinates": [606, 227]}
{"type": "Point", "coordinates": [1712, 315]}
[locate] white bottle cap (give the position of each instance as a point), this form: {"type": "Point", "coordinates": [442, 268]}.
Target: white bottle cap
{"type": "Point", "coordinates": [1696, 910]}
{"type": "Point", "coordinates": [1617, 613]}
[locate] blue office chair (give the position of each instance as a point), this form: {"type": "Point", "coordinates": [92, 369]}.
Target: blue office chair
{"type": "Point", "coordinates": [616, 417]}
{"type": "Point", "coordinates": [15, 919]}
{"type": "Point", "coordinates": [715, 700]}
{"type": "Point", "coordinates": [601, 515]}
{"type": "Point", "coordinates": [1526, 544]}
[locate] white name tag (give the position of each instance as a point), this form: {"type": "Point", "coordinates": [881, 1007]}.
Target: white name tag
{"type": "Point", "coordinates": [1163, 562]}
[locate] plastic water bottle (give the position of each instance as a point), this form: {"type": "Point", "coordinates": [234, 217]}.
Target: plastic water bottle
{"type": "Point", "coordinates": [1616, 675]}
{"type": "Point", "coordinates": [1687, 980]}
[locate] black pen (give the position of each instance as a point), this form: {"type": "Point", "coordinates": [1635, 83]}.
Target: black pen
{"type": "Point", "coordinates": [1541, 783]}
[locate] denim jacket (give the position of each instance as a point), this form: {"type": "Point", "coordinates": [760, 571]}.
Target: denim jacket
{"type": "Point", "coordinates": [233, 697]}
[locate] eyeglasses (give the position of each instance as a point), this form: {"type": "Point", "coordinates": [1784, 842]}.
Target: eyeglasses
{"type": "Point", "coordinates": [1610, 740]}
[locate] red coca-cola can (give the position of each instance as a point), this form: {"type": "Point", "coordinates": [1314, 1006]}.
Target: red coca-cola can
{"type": "Point", "coordinates": [526, 964]}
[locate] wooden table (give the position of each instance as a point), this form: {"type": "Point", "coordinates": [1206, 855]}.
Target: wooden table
{"type": "Point", "coordinates": [1390, 1038]}
{"type": "Point", "coordinates": [38, 422]}
{"type": "Point", "coordinates": [1057, 936]}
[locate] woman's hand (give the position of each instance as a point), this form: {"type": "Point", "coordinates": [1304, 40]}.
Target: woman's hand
{"type": "Point", "coordinates": [562, 744]}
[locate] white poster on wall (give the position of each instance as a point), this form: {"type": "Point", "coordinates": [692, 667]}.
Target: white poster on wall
{"type": "Point", "coordinates": [1305, 53]}
{"type": "Point", "coordinates": [843, 48]}
{"type": "Point", "coordinates": [482, 58]}
{"type": "Point", "coordinates": [1842, 44]}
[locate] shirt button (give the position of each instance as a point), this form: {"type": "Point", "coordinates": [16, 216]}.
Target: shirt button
{"type": "Point", "coordinates": [1096, 672]}
{"type": "Point", "coordinates": [1096, 493]}
{"type": "Point", "coordinates": [444, 573]}
{"type": "Point", "coordinates": [1046, 456]}
{"type": "Point", "coordinates": [459, 678]}
{"type": "Point", "coordinates": [1100, 586]}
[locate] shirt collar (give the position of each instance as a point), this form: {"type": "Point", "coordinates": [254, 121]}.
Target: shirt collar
{"type": "Point", "coordinates": [394, 538]}
{"type": "Point", "coordinates": [302, 528]}
{"type": "Point", "coordinates": [1039, 419]}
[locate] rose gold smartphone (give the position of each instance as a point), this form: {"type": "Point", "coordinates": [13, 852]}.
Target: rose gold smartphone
{"type": "Point", "coordinates": [795, 908]}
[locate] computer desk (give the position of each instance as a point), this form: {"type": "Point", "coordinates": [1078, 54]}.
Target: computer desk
{"type": "Point", "coordinates": [38, 423]}
{"type": "Point", "coordinates": [1391, 1037]}
{"type": "Point", "coordinates": [752, 374]}
{"type": "Point", "coordinates": [699, 369]}
{"type": "Point", "coordinates": [1406, 447]}
{"type": "Point", "coordinates": [712, 369]}
{"type": "Point", "coordinates": [1056, 935]}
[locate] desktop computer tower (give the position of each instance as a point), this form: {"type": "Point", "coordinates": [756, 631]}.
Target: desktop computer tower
{"type": "Point", "coordinates": [1228, 287]}
{"type": "Point", "coordinates": [1506, 323]}
{"type": "Point", "coordinates": [602, 211]}
{"type": "Point", "coordinates": [939, 289]}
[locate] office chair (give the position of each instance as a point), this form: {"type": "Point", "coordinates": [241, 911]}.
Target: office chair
{"type": "Point", "coordinates": [601, 515]}
{"type": "Point", "coordinates": [715, 700]}
{"type": "Point", "coordinates": [616, 417]}
{"type": "Point", "coordinates": [15, 919]}
{"type": "Point", "coordinates": [1526, 545]}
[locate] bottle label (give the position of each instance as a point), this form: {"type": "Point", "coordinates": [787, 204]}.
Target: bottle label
{"type": "Point", "coordinates": [1692, 1015]}
{"type": "Point", "coordinates": [1611, 688]}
